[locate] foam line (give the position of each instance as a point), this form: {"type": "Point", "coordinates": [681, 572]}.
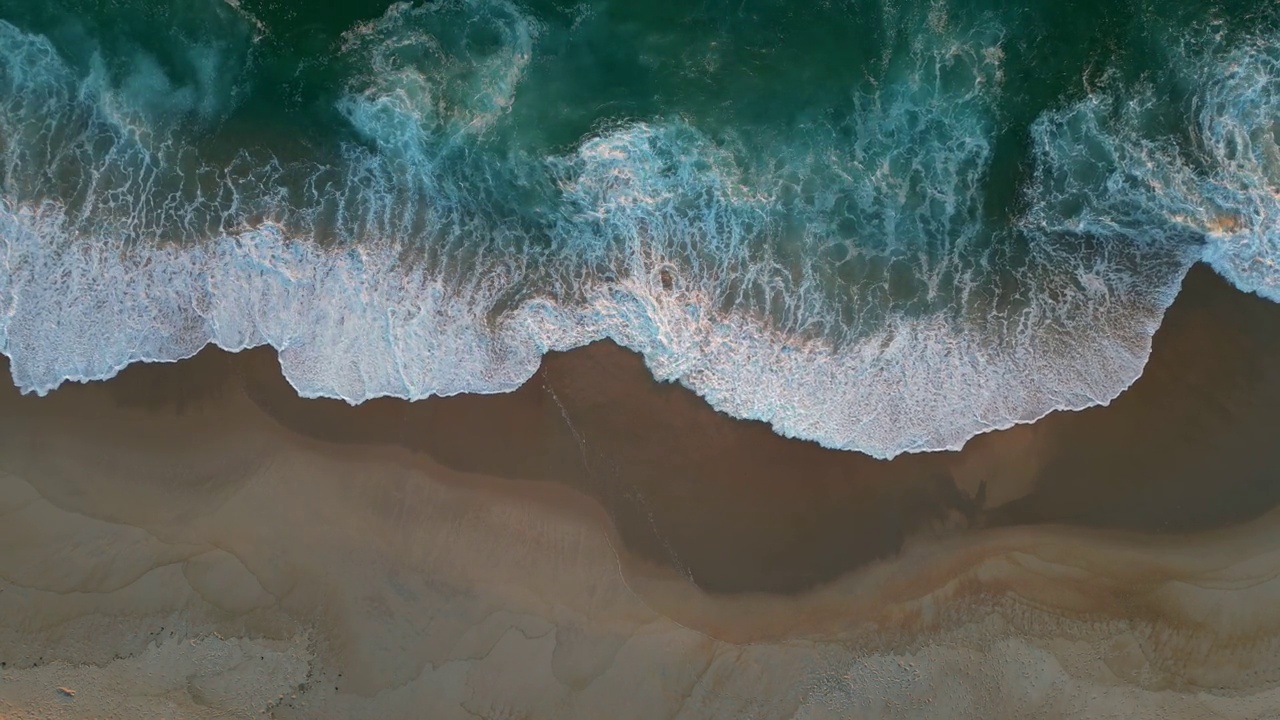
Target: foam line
{"type": "Point", "coordinates": [846, 292]}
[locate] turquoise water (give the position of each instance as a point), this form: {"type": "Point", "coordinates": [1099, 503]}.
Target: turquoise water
{"type": "Point", "coordinates": [880, 226]}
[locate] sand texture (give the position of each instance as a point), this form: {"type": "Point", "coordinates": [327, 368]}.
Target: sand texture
{"type": "Point", "coordinates": [193, 541]}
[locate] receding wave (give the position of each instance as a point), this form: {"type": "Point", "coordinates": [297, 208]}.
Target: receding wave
{"type": "Point", "coordinates": [845, 278]}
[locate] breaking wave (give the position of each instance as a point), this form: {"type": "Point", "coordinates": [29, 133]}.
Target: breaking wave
{"type": "Point", "coordinates": [841, 279]}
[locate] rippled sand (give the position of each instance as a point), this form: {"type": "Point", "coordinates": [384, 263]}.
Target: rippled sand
{"type": "Point", "coordinates": [192, 540]}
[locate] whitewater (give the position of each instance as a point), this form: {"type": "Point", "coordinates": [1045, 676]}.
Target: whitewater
{"type": "Point", "coordinates": [841, 279]}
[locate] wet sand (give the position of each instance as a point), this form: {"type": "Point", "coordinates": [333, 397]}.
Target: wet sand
{"type": "Point", "coordinates": [194, 540]}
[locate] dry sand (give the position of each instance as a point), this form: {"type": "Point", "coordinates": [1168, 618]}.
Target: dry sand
{"type": "Point", "coordinates": [192, 540]}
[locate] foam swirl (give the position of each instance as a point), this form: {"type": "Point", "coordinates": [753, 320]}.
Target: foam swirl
{"type": "Point", "coordinates": [841, 281]}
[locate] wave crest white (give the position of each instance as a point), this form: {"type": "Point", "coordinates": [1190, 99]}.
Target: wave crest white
{"type": "Point", "coordinates": [666, 241]}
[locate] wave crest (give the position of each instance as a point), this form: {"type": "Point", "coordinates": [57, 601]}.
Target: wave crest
{"type": "Point", "coordinates": [841, 282]}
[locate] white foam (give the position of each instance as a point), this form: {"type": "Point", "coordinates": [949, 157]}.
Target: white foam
{"type": "Point", "coordinates": [666, 242]}
{"type": "Point", "coordinates": [453, 65]}
{"type": "Point", "coordinates": [1239, 129]}
{"type": "Point", "coordinates": [1222, 187]}
{"type": "Point", "coordinates": [355, 325]}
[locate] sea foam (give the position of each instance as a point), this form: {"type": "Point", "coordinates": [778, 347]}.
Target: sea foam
{"type": "Point", "coordinates": [839, 283]}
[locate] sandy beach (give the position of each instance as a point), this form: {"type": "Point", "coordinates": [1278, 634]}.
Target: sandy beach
{"type": "Point", "coordinates": [193, 540]}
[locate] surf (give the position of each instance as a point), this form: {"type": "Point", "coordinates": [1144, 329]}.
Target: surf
{"type": "Point", "coordinates": [839, 276]}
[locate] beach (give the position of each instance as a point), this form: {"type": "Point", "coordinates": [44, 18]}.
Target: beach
{"type": "Point", "coordinates": [194, 540]}
{"type": "Point", "coordinates": [602, 360]}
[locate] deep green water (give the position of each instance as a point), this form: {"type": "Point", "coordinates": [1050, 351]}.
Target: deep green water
{"type": "Point", "coordinates": [882, 226]}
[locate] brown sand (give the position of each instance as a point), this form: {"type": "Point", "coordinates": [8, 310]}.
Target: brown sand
{"type": "Point", "coordinates": [193, 540]}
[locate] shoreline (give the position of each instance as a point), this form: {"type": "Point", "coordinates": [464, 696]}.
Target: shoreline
{"type": "Point", "coordinates": [194, 537]}
{"type": "Point", "coordinates": [660, 460]}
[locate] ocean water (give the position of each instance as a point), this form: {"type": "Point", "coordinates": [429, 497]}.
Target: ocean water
{"type": "Point", "coordinates": [880, 226]}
